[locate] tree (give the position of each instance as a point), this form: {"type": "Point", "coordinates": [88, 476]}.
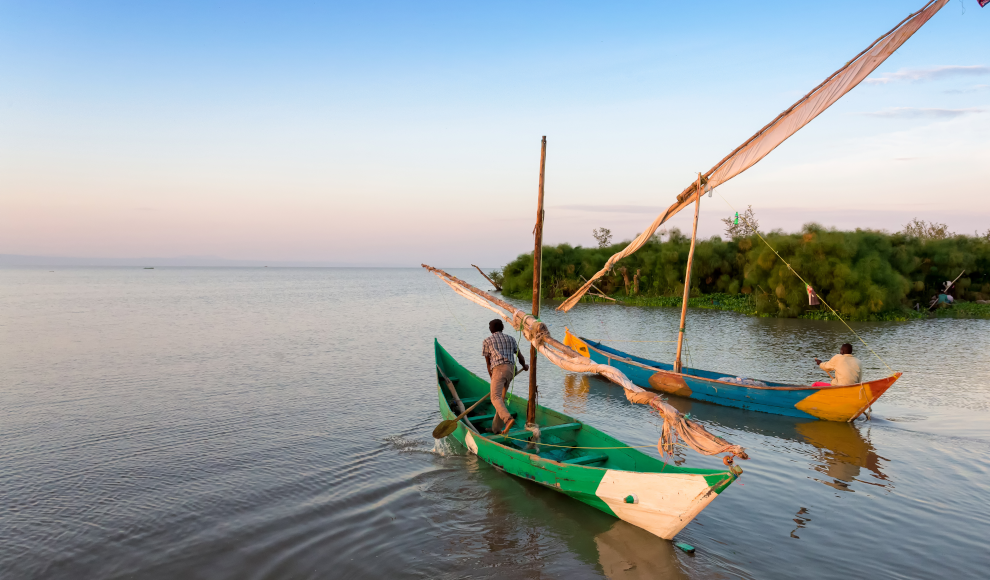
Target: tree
{"type": "Point", "coordinates": [604, 236]}
{"type": "Point", "coordinates": [741, 226]}
{"type": "Point", "coordinates": [497, 277]}
{"type": "Point", "coordinates": [926, 230]}
{"type": "Point", "coordinates": [657, 237]}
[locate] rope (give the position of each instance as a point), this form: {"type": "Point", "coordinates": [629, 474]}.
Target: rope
{"type": "Point", "coordinates": [448, 306]}
{"type": "Point", "coordinates": [576, 447]}
{"type": "Point", "coordinates": [793, 271]}
{"type": "Point", "coordinates": [512, 385]}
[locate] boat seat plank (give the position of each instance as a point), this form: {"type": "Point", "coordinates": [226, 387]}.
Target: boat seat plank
{"type": "Point", "coordinates": [468, 401]}
{"type": "Point", "coordinates": [524, 434]}
{"type": "Point", "coordinates": [489, 417]}
{"type": "Point", "coordinates": [586, 459]}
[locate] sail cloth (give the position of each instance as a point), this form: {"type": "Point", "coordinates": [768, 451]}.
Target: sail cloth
{"type": "Point", "coordinates": [674, 424]}
{"type": "Point", "coordinates": [777, 131]}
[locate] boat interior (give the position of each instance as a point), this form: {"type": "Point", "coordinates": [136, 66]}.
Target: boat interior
{"type": "Point", "coordinates": [709, 375]}
{"type": "Point", "coordinates": [562, 438]}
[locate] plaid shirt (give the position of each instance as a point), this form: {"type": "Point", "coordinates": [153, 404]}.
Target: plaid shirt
{"type": "Point", "coordinates": [500, 347]}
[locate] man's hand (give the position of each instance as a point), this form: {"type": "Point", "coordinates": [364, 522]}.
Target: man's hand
{"type": "Point", "coordinates": [525, 367]}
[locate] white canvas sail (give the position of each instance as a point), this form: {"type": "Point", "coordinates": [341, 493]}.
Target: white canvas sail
{"type": "Point", "coordinates": [777, 131]}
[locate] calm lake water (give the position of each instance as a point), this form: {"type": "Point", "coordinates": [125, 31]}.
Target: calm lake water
{"type": "Point", "coordinates": [275, 423]}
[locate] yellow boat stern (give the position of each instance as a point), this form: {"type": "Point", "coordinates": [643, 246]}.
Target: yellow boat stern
{"type": "Point", "coordinates": [845, 403]}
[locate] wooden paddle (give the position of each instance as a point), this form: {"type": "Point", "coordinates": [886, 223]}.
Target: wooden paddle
{"type": "Point", "coordinates": [448, 426]}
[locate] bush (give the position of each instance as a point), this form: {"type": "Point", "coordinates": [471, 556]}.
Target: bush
{"type": "Point", "coordinates": [862, 274]}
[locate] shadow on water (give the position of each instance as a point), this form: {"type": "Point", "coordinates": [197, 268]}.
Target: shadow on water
{"type": "Point", "coordinates": [838, 451]}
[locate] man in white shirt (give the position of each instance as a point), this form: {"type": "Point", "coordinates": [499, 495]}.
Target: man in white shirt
{"type": "Point", "coordinates": [845, 366]}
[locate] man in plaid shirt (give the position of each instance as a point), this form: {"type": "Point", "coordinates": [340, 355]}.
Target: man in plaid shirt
{"type": "Point", "coordinates": [498, 350]}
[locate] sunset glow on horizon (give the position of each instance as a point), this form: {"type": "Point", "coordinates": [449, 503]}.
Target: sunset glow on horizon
{"type": "Point", "coordinates": [394, 134]}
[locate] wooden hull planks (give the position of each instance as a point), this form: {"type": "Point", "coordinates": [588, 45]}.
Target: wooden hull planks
{"type": "Point", "coordinates": [843, 403]}
{"type": "Point", "coordinates": [624, 482]}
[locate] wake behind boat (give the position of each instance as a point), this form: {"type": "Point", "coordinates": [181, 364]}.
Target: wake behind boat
{"type": "Point", "coordinates": [831, 403]}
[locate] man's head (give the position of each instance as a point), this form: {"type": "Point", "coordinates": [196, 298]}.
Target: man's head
{"type": "Point", "coordinates": [846, 349]}
{"type": "Point", "coordinates": [496, 326]}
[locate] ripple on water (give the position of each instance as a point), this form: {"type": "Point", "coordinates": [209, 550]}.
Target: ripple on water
{"type": "Point", "coordinates": [252, 423]}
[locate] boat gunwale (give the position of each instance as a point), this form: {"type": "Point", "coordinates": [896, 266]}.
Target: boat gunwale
{"type": "Point", "coordinates": [610, 356]}
{"type": "Point", "coordinates": [667, 470]}
{"type": "Point", "coordinates": [676, 469]}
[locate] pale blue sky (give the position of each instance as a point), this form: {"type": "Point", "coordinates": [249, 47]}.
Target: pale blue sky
{"type": "Point", "coordinates": [397, 133]}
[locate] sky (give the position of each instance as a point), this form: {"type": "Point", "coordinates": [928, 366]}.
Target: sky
{"type": "Point", "coordinates": [395, 133]}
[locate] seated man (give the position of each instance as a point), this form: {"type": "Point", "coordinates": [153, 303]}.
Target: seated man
{"type": "Point", "coordinates": [845, 365]}
{"type": "Point", "coordinates": [498, 350]}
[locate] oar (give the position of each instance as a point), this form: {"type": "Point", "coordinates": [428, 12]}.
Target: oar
{"type": "Point", "coordinates": [448, 426]}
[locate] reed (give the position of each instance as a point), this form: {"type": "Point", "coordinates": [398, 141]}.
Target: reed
{"type": "Point", "coordinates": [863, 274]}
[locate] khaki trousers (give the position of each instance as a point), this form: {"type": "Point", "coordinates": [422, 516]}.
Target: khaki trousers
{"type": "Point", "coordinates": [501, 379]}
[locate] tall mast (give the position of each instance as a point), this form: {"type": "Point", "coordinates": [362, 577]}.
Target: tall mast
{"type": "Point", "coordinates": [537, 279]}
{"type": "Point", "coordinates": [687, 278]}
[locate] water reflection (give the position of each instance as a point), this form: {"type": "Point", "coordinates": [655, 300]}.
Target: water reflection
{"type": "Point", "coordinates": [800, 518]}
{"type": "Point", "coordinates": [532, 522]}
{"type": "Point", "coordinates": [840, 450]}
{"type": "Point", "coordinates": [625, 551]}
{"type": "Point", "coordinates": [576, 389]}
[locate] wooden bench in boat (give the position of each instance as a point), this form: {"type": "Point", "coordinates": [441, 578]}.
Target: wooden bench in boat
{"type": "Point", "coordinates": [586, 459]}
{"type": "Point", "coordinates": [488, 417]}
{"type": "Point", "coordinates": [524, 434]}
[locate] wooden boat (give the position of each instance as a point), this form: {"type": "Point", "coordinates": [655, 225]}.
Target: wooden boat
{"type": "Point", "coordinates": [831, 403]}
{"type": "Point", "coordinates": [578, 460]}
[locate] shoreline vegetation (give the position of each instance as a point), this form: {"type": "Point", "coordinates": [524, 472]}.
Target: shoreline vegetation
{"type": "Point", "coordinates": [865, 275]}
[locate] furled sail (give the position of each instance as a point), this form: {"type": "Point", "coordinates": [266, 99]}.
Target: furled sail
{"type": "Point", "coordinates": [777, 131]}
{"type": "Point", "coordinates": [675, 425]}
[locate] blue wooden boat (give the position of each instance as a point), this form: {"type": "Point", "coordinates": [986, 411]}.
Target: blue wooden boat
{"type": "Point", "coordinates": [830, 403]}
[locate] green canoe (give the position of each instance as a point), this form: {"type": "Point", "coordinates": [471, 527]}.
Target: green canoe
{"type": "Point", "coordinates": [621, 481]}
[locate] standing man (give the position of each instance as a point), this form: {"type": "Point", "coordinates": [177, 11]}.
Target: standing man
{"type": "Point", "coordinates": [498, 350]}
{"type": "Point", "coordinates": [845, 365]}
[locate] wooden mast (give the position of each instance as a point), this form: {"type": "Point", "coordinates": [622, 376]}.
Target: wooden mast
{"type": "Point", "coordinates": [687, 278]}
{"type": "Point", "coordinates": [537, 279]}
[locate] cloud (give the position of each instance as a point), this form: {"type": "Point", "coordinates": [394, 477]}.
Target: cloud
{"type": "Point", "coordinates": [612, 208]}
{"type": "Point", "coordinates": [972, 89]}
{"type": "Point", "coordinates": [919, 113]}
{"type": "Point", "coordinates": [930, 74]}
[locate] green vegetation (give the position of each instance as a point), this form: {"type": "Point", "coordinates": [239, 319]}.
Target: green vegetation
{"type": "Point", "coordinates": [863, 274]}
{"type": "Point", "coordinates": [496, 276]}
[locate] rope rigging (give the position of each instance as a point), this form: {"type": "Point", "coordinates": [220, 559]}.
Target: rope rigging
{"type": "Point", "coordinates": [793, 271]}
